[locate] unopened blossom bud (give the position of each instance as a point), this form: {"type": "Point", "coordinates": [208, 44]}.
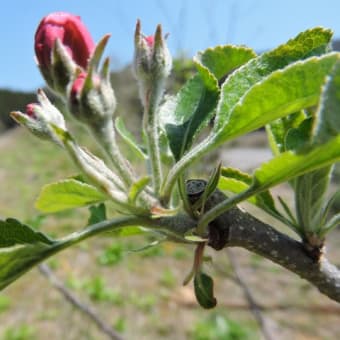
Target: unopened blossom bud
{"type": "Point", "coordinates": [92, 100]}
{"type": "Point", "coordinates": [39, 117]}
{"type": "Point", "coordinates": [152, 62]}
{"type": "Point", "coordinates": [30, 110]}
{"type": "Point", "coordinates": [62, 43]}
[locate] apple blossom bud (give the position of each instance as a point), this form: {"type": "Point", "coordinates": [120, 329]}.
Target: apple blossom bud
{"type": "Point", "coordinates": [30, 110]}
{"type": "Point", "coordinates": [91, 99]}
{"type": "Point", "coordinates": [152, 62]}
{"type": "Point", "coordinates": [39, 117]}
{"type": "Point", "coordinates": [62, 43]}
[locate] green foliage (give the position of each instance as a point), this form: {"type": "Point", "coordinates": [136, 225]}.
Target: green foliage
{"type": "Point", "coordinates": [20, 332]}
{"type": "Point", "coordinates": [184, 116]}
{"type": "Point", "coordinates": [306, 44]}
{"type": "Point", "coordinates": [301, 133]}
{"type": "Point", "coordinates": [97, 290]}
{"type": "Point", "coordinates": [12, 233]}
{"type": "Point", "coordinates": [293, 89]}
{"type": "Point", "coordinates": [168, 279]}
{"type": "Point", "coordinates": [17, 260]}
{"type": "Point", "coordinates": [129, 139]}
{"type": "Point", "coordinates": [290, 164]}
{"type": "Point", "coordinates": [5, 303]}
{"type": "Point", "coordinates": [97, 213]}
{"type": "Point", "coordinates": [112, 255]}
{"type": "Point", "coordinates": [137, 188]}
{"type": "Point", "coordinates": [67, 194]}
{"type": "Point", "coordinates": [284, 91]}
{"type": "Point", "coordinates": [327, 123]}
{"type": "Point", "coordinates": [222, 60]}
{"type": "Point", "coordinates": [236, 181]}
{"type": "Point", "coordinates": [20, 249]}
{"type": "Point", "coordinates": [219, 327]}
{"type": "Point", "coordinates": [204, 290]}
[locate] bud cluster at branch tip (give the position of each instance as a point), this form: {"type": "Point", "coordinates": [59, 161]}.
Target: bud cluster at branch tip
{"type": "Point", "coordinates": [152, 61]}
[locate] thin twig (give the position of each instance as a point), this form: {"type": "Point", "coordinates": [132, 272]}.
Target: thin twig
{"type": "Point", "coordinates": [74, 300]}
{"type": "Point", "coordinates": [254, 307]}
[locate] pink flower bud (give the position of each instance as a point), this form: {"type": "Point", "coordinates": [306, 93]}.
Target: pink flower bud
{"type": "Point", "coordinates": [77, 87]}
{"type": "Point", "coordinates": [30, 110]}
{"type": "Point", "coordinates": [94, 103]}
{"type": "Point", "coordinates": [150, 40]}
{"type": "Point", "coordinates": [70, 31]}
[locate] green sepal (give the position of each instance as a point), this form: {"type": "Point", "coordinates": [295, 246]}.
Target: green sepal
{"type": "Point", "coordinates": [98, 52]}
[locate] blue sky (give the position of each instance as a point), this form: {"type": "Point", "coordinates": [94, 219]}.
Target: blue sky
{"type": "Point", "coordinates": [193, 25]}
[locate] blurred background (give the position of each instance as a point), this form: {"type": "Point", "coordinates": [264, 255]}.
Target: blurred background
{"type": "Point", "coordinates": [140, 295]}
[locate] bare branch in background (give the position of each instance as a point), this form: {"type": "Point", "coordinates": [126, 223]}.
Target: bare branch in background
{"type": "Point", "coordinates": [79, 305]}
{"type": "Point", "coordinates": [253, 305]}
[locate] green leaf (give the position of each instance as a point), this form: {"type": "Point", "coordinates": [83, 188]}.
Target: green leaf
{"type": "Point", "coordinates": [184, 116]}
{"type": "Point", "coordinates": [327, 123]}
{"type": "Point", "coordinates": [306, 44]}
{"type": "Point", "coordinates": [30, 248]}
{"type": "Point", "coordinates": [236, 181]}
{"type": "Point", "coordinates": [137, 188]}
{"type": "Point", "coordinates": [277, 130]}
{"type": "Point", "coordinates": [67, 194]}
{"type": "Point", "coordinates": [204, 290]}
{"type": "Point", "coordinates": [281, 93]}
{"type": "Point", "coordinates": [97, 213]}
{"type": "Point", "coordinates": [292, 164]}
{"type": "Point", "coordinates": [311, 188]}
{"type": "Point", "coordinates": [15, 261]}
{"type": "Point", "coordinates": [12, 233]}
{"type": "Point", "coordinates": [299, 136]}
{"type": "Point", "coordinates": [222, 60]}
{"type": "Point", "coordinates": [310, 191]}
{"type": "Point", "coordinates": [330, 225]}
{"type": "Point", "coordinates": [129, 139]}
{"type": "Point", "coordinates": [21, 247]}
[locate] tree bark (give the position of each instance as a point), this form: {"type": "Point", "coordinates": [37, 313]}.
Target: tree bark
{"type": "Point", "coordinates": [237, 228]}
